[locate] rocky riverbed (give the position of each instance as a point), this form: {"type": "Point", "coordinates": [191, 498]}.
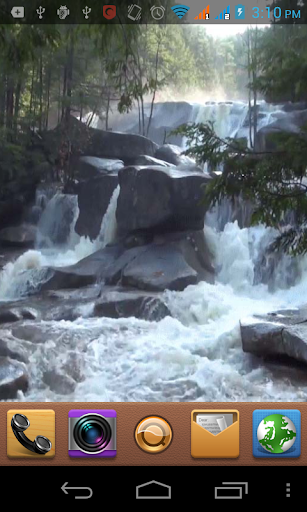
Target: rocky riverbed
{"type": "Point", "coordinates": [128, 289]}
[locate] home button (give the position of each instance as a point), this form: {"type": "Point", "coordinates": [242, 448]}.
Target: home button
{"type": "Point", "coordinates": [153, 490]}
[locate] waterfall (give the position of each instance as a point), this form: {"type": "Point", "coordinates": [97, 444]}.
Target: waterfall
{"type": "Point", "coordinates": [109, 225]}
{"type": "Point", "coordinates": [54, 227]}
{"type": "Point", "coordinates": [19, 278]}
{"type": "Point", "coordinates": [230, 118]}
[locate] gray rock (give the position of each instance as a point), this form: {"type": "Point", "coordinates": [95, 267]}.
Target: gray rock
{"type": "Point", "coordinates": [9, 348]}
{"type": "Point", "coordinates": [126, 304]}
{"type": "Point", "coordinates": [58, 382]}
{"type": "Point", "coordinates": [13, 378]}
{"type": "Point", "coordinates": [18, 236]}
{"type": "Point", "coordinates": [10, 314]}
{"type": "Point", "coordinates": [33, 333]}
{"type": "Point", "coordinates": [93, 200]}
{"type": "Point", "coordinates": [159, 268]}
{"type": "Point", "coordinates": [173, 154]}
{"type": "Point", "coordinates": [90, 166]}
{"type": "Point", "coordinates": [150, 160]}
{"type": "Point", "coordinates": [172, 261]}
{"type": "Point", "coordinates": [125, 146]}
{"type": "Point", "coordinates": [290, 124]}
{"type": "Point", "coordinates": [87, 271]}
{"type": "Point", "coordinates": [279, 334]}
{"type": "Point", "coordinates": [160, 199]}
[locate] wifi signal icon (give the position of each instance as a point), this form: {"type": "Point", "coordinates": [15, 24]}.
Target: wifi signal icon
{"type": "Point", "coordinates": [180, 10]}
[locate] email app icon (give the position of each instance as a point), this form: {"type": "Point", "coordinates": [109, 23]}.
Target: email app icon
{"type": "Point", "coordinates": [215, 433]}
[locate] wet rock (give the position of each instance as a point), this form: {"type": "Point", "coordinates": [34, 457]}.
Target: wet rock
{"type": "Point", "coordinates": [173, 155]}
{"type": "Point", "coordinates": [93, 200]}
{"type": "Point", "coordinates": [172, 261]}
{"type": "Point", "coordinates": [90, 167]}
{"type": "Point", "coordinates": [18, 236]}
{"type": "Point", "coordinates": [32, 333]}
{"type": "Point", "coordinates": [86, 272]}
{"type": "Point", "coordinates": [74, 367]}
{"type": "Point", "coordinates": [58, 382]}
{"type": "Point", "coordinates": [159, 268]}
{"type": "Point", "coordinates": [290, 124]}
{"type": "Point", "coordinates": [13, 378]}
{"type": "Point", "coordinates": [281, 333]}
{"type": "Point", "coordinates": [160, 199]}
{"type": "Point", "coordinates": [150, 160]}
{"type": "Point", "coordinates": [128, 304]}
{"type": "Point", "coordinates": [12, 314]}
{"type": "Point", "coordinates": [124, 146]}
{"type": "Point", "coordinates": [9, 348]}
{"type": "Point", "coordinates": [29, 314]}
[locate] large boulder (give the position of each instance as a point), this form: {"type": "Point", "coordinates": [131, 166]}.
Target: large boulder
{"type": "Point", "coordinates": [115, 304]}
{"type": "Point", "coordinates": [9, 314]}
{"type": "Point", "coordinates": [91, 167]}
{"type": "Point", "coordinates": [13, 377]}
{"type": "Point", "coordinates": [93, 200]}
{"type": "Point", "coordinates": [150, 160]}
{"type": "Point", "coordinates": [159, 268]}
{"type": "Point", "coordinates": [87, 271]}
{"type": "Point", "coordinates": [125, 146]}
{"type": "Point", "coordinates": [92, 142]}
{"type": "Point", "coordinates": [172, 261]}
{"type": "Point", "coordinates": [18, 236]}
{"type": "Point", "coordinates": [290, 123]}
{"type": "Point", "coordinates": [160, 199]}
{"type": "Point", "coordinates": [173, 154]}
{"type": "Point", "coordinates": [276, 335]}
{"type": "Point", "coordinates": [11, 211]}
{"type": "Point", "coordinates": [13, 350]}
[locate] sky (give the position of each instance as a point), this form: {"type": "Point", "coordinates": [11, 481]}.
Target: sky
{"type": "Point", "coordinates": [226, 30]}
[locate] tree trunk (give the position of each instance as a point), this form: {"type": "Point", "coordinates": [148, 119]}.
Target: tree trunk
{"type": "Point", "coordinates": [2, 102]}
{"type": "Point", "coordinates": [17, 106]}
{"type": "Point", "coordinates": [9, 107]}
{"type": "Point", "coordinates": [108, 109]}
{"type": "Point", "coordinates": [155, 90]}
{"type": "Point", "coordinates": [48, 97]}
{"type": "Point", "coordinates": [32, 90]}
{"type": "Point", "coordinates": [70, 63]}
{"type": "Point", "coordinates": [40, 121]}
{"type": "Point", "coordinates": [64, 91]}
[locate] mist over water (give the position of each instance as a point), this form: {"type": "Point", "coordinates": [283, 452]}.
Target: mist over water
{"type": "Point", "coordinates": [195, 355]}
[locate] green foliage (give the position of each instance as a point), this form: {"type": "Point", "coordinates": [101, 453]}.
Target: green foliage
{"type": "Point", "coordinates": [275, 182]}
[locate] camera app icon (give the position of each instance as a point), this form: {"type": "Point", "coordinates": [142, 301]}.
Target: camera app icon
{"type": "Point", "coordinates": [92, 433]}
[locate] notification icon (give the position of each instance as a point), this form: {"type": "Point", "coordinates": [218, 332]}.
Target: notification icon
{"type": "Point", "coordinates": [109, 11]}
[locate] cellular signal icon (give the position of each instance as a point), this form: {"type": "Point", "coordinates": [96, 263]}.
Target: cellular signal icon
{"type": "Point", "coordinates": [180, 10]}
{"type": "Point", "coordinates": [204, 15]}
{"type": "Point", "coordinates": [240, 12]}
{"type": "Point", "coordinates": [225, 15]}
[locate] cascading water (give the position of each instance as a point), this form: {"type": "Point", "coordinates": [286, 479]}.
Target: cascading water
{"type": "Point", "coordinates": [24, 275]}
{"type": "Point", "coordinates": [195, 355]}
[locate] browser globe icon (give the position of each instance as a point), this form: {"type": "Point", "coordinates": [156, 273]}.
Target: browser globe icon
{"type": "Point", "coordinates": [276, 433]}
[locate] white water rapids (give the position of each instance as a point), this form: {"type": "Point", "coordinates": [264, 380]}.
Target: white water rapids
{"type": "Point", "coordinates": [196, 355]}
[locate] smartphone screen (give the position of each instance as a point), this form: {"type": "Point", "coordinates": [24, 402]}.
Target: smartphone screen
{"type": "Point", "coordinates": [153, 219]}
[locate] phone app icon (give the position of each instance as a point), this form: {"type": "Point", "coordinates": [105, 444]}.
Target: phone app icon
{"type": "Point", "coordinates": [215, 433]}
{"type": "Point", "coordinates": [276, 433]}
{"type": "Point", "coordinates": [92, 433]}
{"type": "Point", "coordinates": [31, 433]}
{"type": "Point", "coordinates": [109, 11]}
